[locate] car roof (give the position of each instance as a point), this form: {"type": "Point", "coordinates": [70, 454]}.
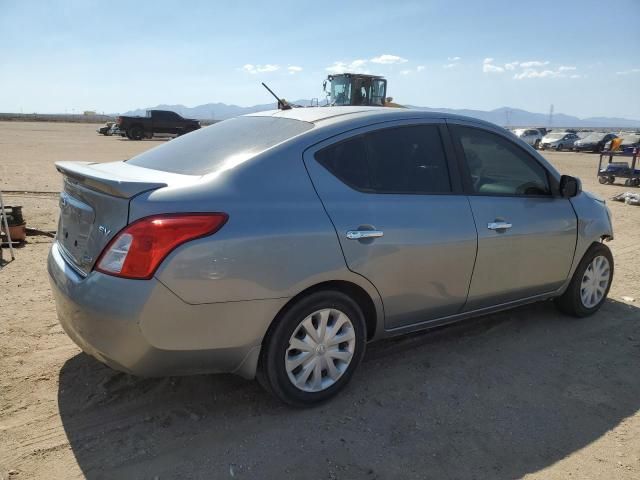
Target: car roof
{"type": "Point", "coordinates": [321, 115]}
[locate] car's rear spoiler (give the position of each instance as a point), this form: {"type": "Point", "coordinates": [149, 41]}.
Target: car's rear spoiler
{"type": "Point", "coordinates": [109, 178]}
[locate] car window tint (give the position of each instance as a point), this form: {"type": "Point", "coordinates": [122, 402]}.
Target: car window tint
{"type": "Point", "coordinates": [347, 160]}
{"type": "Point", "coordinates": [220, 145]}
{"type": "Point", "coordinates": [498, 166]}
{"type": "Point", "coordinates": [394, 160]}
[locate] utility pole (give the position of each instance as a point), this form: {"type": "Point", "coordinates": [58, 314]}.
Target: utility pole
{"type": "Point", "coordinates": [551, 115]}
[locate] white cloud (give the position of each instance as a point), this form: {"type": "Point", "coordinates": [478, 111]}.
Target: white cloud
{"type": "Point", "coordinates": [293, 69]}
{"type": "Point", "coordinates": [405, 72]}
{"type": "Point", "coordinates": [453, 59]}
{"type": "Point", "coordinates": [387, 59]}
{"type": "Point", "coordinates": [253, 69]}
{"type": "Point", "coordinates": [559, 73]}
{"type": "Point", "coordinates": [356, 66]}
{"type": "Point", "coordinates": [450, 65]}
{"type": "Point", "coordinates": [420, 68]}
{"type": "Point", "coordinates": [532, 73]}
{"type": "Point", "coordinates": [530, 69]}
{"type": "Point", "coordinates": [489, 67]}
{"type": "Point", "coordinates": [534, 63]}
{"type": "Point", "coordinates": [627, 72]}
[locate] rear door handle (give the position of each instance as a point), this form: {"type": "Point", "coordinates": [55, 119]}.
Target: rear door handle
{"type": "Point", "coordinates": [498, 225]}
{"type": "Point", "coordinates": [360, 234]}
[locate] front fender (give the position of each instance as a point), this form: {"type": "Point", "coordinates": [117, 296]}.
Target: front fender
{"type": "Point", "coordinates": [594, 225]}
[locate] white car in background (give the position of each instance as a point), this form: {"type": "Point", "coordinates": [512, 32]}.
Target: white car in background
{"type": "Point", "coordinates": [559, 141]}
{"type": "Point", "coordinates": [532, 136]}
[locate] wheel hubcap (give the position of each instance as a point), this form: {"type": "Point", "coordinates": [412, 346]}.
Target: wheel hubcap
{"type": "Point", "coordinates": [595, 281]}
{"type": "Point", "coordinates": [320, 350]}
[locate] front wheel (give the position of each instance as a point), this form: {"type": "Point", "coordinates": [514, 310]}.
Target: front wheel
{"type": "Point", "coordinates": [313, 350]}
{"type": "Point", "coordinates": [559, 147]}
{"type": "Point", "coordinates": [536, 145]}
{"type": "Point", "coordinates": [590, 283]}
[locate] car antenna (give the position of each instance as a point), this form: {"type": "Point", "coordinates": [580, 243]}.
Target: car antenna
{"type": "Point", "coordinates": [282, 103]}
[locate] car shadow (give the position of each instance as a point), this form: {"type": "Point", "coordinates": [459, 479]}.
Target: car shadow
{"type": "Point", "coordinates": [496, 397]}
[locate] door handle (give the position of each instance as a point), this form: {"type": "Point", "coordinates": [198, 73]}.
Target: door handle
{"type": "Point", "coordinates": [360, 234]}
{"type": "Point", "coordinates": [498, 225]}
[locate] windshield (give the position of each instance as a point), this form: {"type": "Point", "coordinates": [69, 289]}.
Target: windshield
{"type": "Point", "coordinates": [222, 144]}
{"type": "Point", "coordinates": [627, 139]}
{"type": "Point", "coordinates": [593, 137]}
{"type": "Point", "coordinates": [555, 136]}
{"type": "Point", "coordinates": [357, 91]}
{"type": "Point", "coordinates": [340, 91]}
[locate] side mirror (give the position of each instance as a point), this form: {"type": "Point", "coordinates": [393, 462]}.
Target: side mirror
{"type": "Point", "coordinates": [570, 186]}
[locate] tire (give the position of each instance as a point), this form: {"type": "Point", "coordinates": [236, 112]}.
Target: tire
{"type": "Point", "coordinates": [603, 180]}
{"type": "Point", "coordinates": [277, 376]}
{"type": "Point", "coordinates": [611, 179]}
{"type": "Point", "coordinates": [576, 300]}
{"type": "Point", "coordinates": [536, 145]}
{"type": "Point", "coordinates": [136, 132]}
{"type": "Point", "coordinates": [559, 147]}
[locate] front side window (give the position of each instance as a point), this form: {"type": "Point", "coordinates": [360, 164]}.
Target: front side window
{"type": "Point", "coordinates": [394, 160]}
{"type": "Point", "coordinates": [498, 166]}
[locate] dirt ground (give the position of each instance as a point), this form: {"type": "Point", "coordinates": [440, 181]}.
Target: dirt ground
{"type": "Point", "coordinates": [526, 393]}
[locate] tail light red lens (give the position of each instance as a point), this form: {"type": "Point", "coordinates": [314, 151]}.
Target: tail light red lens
{"type": "Point", "coordinates": [139, 249]}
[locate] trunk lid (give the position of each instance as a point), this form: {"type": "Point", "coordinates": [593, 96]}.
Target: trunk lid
{"type": "Point", "coordinates": [94, 205]}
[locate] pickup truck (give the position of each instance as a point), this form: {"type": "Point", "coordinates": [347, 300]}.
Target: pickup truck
{"type": "Point", "coordinates": [155, 122]}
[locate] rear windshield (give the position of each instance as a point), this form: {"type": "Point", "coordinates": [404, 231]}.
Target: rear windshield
{"type": "Point", "coordinates": [209, 149]}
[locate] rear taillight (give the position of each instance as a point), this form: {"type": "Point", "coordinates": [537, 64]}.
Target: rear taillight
{"type": "Point", "coordinates": [137, 251]}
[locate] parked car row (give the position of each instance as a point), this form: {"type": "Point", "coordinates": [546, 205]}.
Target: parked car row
{"type": "Point", "coordinates": [156, 122]}
{"type": "Point", "coordinates": [578, 141]}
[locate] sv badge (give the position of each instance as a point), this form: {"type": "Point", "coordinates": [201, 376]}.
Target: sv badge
{"type": "Point", "coordinates": [104, 230]}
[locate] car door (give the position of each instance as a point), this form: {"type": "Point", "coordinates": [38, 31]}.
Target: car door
{"type": "Point", "coordinates": [400, 215]}
{"type": "Point", "coordinates": [526, 231]}
{"type": "Point", "coordinates": [163, 122]}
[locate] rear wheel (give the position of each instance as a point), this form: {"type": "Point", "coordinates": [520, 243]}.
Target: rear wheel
{"type": "Point", "coordinates": [603, 180]}
{"type": "Point", "coordinates": [313, 350]}
{"type": "Point", "coordinates": [136, 133]}
{"type": "Point", "coordinates": [590, 283]}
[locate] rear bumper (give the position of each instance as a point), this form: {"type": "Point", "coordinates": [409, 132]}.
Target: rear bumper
{"type": "Point", "coordinates": [141, 327]}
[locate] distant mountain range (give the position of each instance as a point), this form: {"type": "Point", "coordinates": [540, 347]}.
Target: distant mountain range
{"type": "Point", "coordinates": [502, 116]}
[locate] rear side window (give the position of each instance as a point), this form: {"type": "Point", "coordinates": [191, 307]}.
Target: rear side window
{"type": "Point", "coordinates": [395, 160]}
{"type": "Point", "coordinates": [221, 145]}
{"type": "Point", "coordinates": [499, 167]}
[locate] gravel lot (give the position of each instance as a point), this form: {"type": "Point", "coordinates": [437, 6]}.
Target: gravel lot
{"type": "Point", "coordinates": [526, 393]}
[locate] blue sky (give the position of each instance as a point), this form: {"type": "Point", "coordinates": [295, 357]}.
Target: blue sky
{"type": "Point", "coordinates": [582, 56]}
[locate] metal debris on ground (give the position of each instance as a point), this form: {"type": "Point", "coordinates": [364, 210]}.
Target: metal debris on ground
{"type": "Point", "coordinates": [629, 198]}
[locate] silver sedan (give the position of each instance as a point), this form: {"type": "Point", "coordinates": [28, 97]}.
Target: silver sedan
{"type": "Point", "coordinates": [278, 244]}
